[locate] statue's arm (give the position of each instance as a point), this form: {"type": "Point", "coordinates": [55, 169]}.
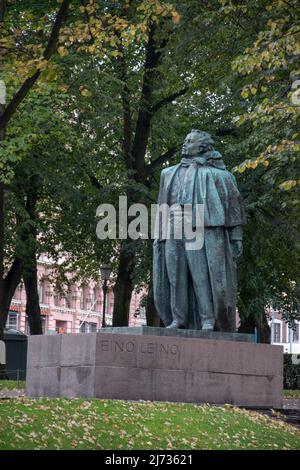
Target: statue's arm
{"type": "Point", "coordinates": [236, 240]}
{"type": "Point", "coordinates": [236, 232]}
{"type": "Point", "coordinates": [157, 230]}
{"type": "Point", "coordinates": [161, 187]}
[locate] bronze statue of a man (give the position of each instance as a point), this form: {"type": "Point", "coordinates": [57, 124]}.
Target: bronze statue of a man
{"type": "Point", "coordinates": [196, 289]}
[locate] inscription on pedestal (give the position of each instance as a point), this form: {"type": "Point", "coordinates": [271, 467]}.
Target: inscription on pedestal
{"type": "Point", "coordinates": [143, 348]}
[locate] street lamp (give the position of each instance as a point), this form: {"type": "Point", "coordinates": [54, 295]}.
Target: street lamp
{"type": "Point", "coordinates": [105, 275]}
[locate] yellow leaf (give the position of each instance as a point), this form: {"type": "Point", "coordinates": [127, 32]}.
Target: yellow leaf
{"type": "Point", "coordinates": [176, 17]}
{"type": "Point", "coordinates": [62, 51]}
{"type": "Point", "coordinates": [85, 92]}
{"type": "Point", "coordinates": [288, 184]}
{"type": "Point", "coordinates": [159, 9]}
{"type": "Point", "coordinates": [244, 93]}
{"type": "Point", "coordinates": [63, 88]}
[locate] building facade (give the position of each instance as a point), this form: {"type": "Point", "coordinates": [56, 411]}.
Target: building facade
{"type": "Point", "coordinates": [283, 335]}
{"type": "Point", "coordinates": [79, 310]}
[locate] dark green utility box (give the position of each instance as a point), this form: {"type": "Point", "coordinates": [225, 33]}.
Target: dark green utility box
{"type": "Point", "coordinates": [16, 354]}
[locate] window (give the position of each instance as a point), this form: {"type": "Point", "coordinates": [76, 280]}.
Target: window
{"type": "Point", "coordinates": [42, 292]}
{"type": "Point", "coordinates": [87, 327]}
{"type": "Point", "coordinates": [296, 332]}
{"type": "Point", "coordinates": [61, 326]}
{"type": "Point", "coordinates": [56, 299]}
{"type": "Point", "coordinates": [12, 321]}
{"type": "Point", "coordinates": [96, 299]}
{"type": "Point", "coordinates": [82, 298]}
{"type": "Point", "coordinates": [44, 323]}
{"type": "Point", "coordinates": [88, 299]}
{"type": "Point", "coordinates": [277, 332]}
{"type": "Point", "coordinates": [68, 298]}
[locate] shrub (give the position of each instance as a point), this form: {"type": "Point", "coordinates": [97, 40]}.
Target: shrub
{"type": "Point", "coordinates": [291, 373]}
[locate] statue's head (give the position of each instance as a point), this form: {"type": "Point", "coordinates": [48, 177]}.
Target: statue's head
{"type": "Point", "coordinates": [197, 142]}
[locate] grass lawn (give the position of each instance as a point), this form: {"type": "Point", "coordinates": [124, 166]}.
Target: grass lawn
{"type": "Point", "coordinates": [291, 393]}
{"type": "Point", "coordinates": [12, 384]}
{"type": "Point", "coordinates": [115, 424]}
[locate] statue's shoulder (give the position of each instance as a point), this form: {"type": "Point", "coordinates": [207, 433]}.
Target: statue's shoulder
{"type": "Point", "coordinates": [226, 175]}
{"type": "Point", "coordinates": [169, 170]}
{"type": "Point", "coordinates": [229, 175]}
{"type": "Point", "coordinates": [225, 178]}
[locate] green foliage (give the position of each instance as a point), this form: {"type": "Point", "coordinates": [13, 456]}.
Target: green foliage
{"type": "Point", "coordinates": [291, 373]}
{"type": "Point", "coordinates": [270, 72]}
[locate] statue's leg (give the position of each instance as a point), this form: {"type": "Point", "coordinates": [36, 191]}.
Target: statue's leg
{"type": "Point", "coordinates": [177, 270]}
{"type": "Point", "coordinates": [221, 268]}
{"type": "Point", "coordinates": [198, 266]}
{"type": "Point", "coordinates": [161, 285]}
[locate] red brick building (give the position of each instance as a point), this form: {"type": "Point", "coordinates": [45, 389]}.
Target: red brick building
{"type": "Point", "coordinates": [80, 309]}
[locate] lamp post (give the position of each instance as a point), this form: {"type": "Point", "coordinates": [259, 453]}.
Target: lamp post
{"type": "Point", "coordinates": [105, 275]}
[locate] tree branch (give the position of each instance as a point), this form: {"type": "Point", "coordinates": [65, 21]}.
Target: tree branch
{"type": "Point", "coordinates": [126, 103]}
{"type": "Point", "coordinates": [95, 182]}
{"type": "Point", "coordinates": [12, 280]}
{"type": "Point", "coordinates": [153, 56]}
{"type": "Point", "coordinates": [223, 132]}
{"type": "Point", "coordinates": [2, 10]}
{"type": "Point", "coordinates": [30, 81]}
{"type": "Point", "coordinates": [87, 17]}
{"type": "Point", "coordinates": [291, 6]}
{"type": "Point", "coordinates": [168, 99]}
{"type": "Point", "coordinates": [161, 159]}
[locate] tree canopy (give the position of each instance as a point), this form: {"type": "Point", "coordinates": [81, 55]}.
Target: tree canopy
{"type": "Point", "coordinates": [100, 96]}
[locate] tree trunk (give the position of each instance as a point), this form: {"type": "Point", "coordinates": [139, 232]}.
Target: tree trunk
{"type": "Point", "coordinates": [2, 309]}
{"type": "Point", "coordinates": [152, 316]}
{"type": "Point", "coordinates": [30, 270]}
{"type": "Point", "coordinates": [151, 313]}
{"type": "Point", "coordinates": [33, 311]}
{"type": "Point", "coordinates": [123, 287]}
{"type": "Point", "coordinates": [2, 302]}
{"type": "Point", "coordinates": [249, 324]}
{"type": "Point", "coordinates": [264, 331]}
{"type": "Point", "coordinates": [2, 135]}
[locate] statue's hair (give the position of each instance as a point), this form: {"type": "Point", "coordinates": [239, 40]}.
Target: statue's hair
{"type": "Point", "coordinates": [205, 137]}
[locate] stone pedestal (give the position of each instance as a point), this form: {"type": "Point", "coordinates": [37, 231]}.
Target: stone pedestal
{"type": "Point", "coordinates": [161, 367]}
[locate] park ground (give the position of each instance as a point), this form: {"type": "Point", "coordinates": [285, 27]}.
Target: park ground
{"type": "Point", "coordinates": [115, 424]}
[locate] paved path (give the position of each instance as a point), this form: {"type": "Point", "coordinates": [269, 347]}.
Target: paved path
{"type": "Point", "coordinates": [291, 403]}
{"type": "Point", "coordinates": [15, 393]}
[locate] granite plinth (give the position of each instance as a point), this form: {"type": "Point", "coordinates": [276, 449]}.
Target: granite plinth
{"type": "Point", "coordinates": [157, 331]}
{"type": "Point", "coordinates": [160, 367]}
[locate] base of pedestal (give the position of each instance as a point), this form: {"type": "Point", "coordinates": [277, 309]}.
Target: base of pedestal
{"type": "Point", "coordinates": [161, 368]}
